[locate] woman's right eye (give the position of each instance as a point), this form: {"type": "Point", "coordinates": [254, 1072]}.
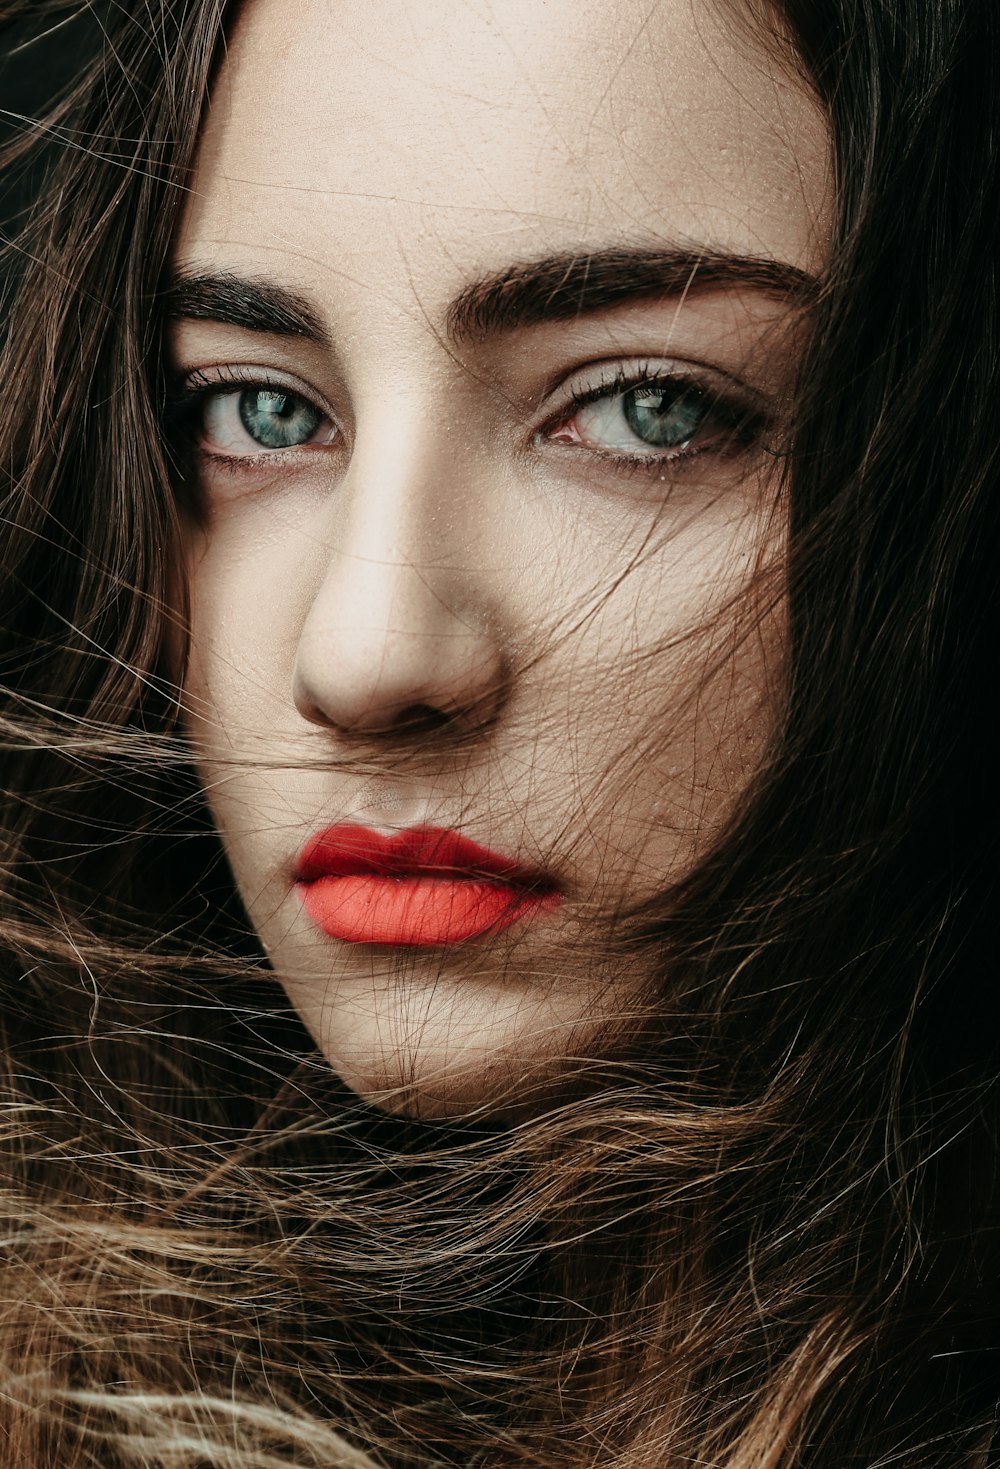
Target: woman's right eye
{"type": "Point", "coordinates": [240, 423]}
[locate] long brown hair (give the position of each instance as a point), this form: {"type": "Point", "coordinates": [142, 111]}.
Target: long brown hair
{"type": "Point", "coordinates": [764, 1236]}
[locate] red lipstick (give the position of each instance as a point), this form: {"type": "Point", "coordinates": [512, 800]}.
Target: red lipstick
{"type": "Point", "coordinates": [420, 886]}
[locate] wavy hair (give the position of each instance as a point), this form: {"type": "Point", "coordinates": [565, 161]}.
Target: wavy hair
{"type": "Point", "coordinates": [766, 1237]}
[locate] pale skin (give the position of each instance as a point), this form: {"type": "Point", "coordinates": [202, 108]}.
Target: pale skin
{"type": "Point", "coordinates": [582, 620]}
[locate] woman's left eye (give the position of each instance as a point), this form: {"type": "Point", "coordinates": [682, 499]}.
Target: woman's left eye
{"type": "Point", "coordinates": [243, 422]}
{"type": "Point", "coordinates": [657, 418]}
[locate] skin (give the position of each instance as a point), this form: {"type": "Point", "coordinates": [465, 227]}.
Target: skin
{"type": "Point", "coordinates": [592, 647]}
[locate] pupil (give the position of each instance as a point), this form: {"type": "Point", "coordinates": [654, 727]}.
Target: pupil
{"type": "Point", "coordinates": [665, 417]}
{"type": "Point", "coordinates": [277, 420]}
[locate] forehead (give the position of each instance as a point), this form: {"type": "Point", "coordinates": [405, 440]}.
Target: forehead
{"type": "Point", "coordinates": [412, 145]}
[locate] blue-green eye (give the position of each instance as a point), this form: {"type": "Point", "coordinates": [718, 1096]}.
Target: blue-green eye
{"type": "Point", "coordinates": [660, 417]}
{"type": "Point", "coordinates": [239, 423]}
{"type": "Point", "coordinates": [651, 418]}
{"type": "Point", "coordinates": [664, 416]}
{"type": "Point", "coordinates": [278, 420]}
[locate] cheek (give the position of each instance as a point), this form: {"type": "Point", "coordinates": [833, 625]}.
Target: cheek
{"type": "Point", "coordinates": [681, 762]}
{"type": "Point", "coordinates": [235, 698]}
{"type": "Point", "coordinates": [244, 588]}
{"type": "Point", "coordinates": [689, 656]}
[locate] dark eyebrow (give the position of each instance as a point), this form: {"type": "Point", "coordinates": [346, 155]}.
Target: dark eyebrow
{"type": "Point", "coordinates": [561, 287]}
{"type": "Point", "coordinates": [256, 305]}
{"type": "Point", "coordinates": [555, 288]}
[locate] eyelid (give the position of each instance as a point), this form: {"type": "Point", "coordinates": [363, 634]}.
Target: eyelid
{"type": "Point", "coordinates": [609, 375]}
{"type": "Point", "coordinates": [189, 386]}
{"type": "Point", "coordinates": [190, 390]}
{"type": "Point", "coordinates": [746, 412]}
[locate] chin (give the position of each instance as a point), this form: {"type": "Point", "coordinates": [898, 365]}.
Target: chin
{"type": "Point", "coordinates": [441, 1076]}
{"type": "Point", "coordinates": [468, 1092]}
{"type": "Point", "coordinates": [439, 1051]}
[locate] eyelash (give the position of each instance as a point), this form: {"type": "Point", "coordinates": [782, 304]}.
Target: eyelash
{"type": "Point", "coordinates": [740, 420]}
{"type": "Point", "coordinates": [190, 397]}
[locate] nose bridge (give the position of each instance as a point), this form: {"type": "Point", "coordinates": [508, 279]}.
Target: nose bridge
{"type": "Point", "coordinates": [401, 625]}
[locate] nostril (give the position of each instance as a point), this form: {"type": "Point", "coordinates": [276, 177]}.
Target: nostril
{"type": "Point", "coordinates": [383, 657]}
{"type": "Point", "coordinates": [423, 719]}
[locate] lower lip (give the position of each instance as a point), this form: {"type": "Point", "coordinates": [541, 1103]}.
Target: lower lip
{"type": "Point", "coordinates": [372, 909]}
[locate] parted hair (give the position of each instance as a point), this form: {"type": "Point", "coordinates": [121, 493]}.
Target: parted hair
{"type": "Point", "coordinates": [766, 1233]}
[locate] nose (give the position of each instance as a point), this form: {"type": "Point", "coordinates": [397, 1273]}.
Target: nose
{"type": "Point", "coordinates": [397, 639]}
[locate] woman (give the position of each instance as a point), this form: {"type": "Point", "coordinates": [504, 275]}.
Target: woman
{"type": "Point", "coordinates": [495, 585]}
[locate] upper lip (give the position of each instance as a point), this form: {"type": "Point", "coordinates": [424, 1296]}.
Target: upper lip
{"type": "Point", "coordinates": [350, 850]}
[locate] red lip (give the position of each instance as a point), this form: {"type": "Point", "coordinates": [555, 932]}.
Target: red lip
{"type": "Point", "coordinates": [420, 886]}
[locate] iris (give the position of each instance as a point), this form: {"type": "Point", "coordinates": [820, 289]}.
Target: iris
{"type": "Point", "coordinates": [664, 415]}
{"type": "Point", "coordinates": [278, 420]}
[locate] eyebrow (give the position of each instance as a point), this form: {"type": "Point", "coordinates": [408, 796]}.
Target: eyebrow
{"type": "Point", "coordinates": [561, 287]}
{"type": "Point", "coordinates": [254, 304]}
{"type": "Point", "coordinates": [554, 288]}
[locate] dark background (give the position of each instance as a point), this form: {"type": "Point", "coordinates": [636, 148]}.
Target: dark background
{"type": "Point", "coordinates": [41, 55]}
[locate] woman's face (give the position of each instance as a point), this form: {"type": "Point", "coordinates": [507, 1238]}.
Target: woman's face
{"type": "Point", "coordinates": [484, 324]}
